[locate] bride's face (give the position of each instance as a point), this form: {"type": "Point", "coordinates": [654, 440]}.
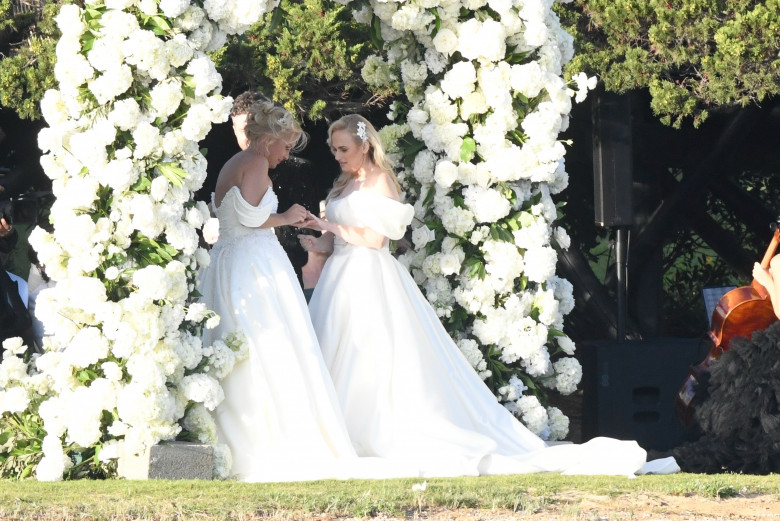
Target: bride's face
{"type": "Point", "coordinates": [351, 155]}
{"type": "Point", "coordinates": [279, 150]}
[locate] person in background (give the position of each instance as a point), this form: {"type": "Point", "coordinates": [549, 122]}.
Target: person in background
{"type": "Point", "coordinates": [239, 112]}
{"type": "Point", "coordinates": [769, 278]}
{"type": "Point", "coordinates": [315, 261]}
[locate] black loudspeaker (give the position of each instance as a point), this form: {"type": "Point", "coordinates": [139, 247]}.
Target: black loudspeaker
{"type": "Point", "coordinates": [612, 160]}
{"type": "Point", "coordinates": [629, 389]}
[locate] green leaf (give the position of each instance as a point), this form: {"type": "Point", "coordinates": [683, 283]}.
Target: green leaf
{"type": "Point", "coordinates": [505, 235]}
{"type": "Point", "coordinates": [494, 234]}
{"type": "Point", "coordinates": [436, 21]}
{"type": "Point", "coordinates": [468, 149]}
{"type": "Point", "coordinates": [429, 197]}
{"type": "Point", "coordinates": [376, 33]}
{"type": "Point", "coordinates": [458, 200]}
{"type": "Point", "coordinates": [410, 150]}
{"type": "Point", "coordinates": [175, 174]}
{"type": "Point", "coordinates": [86, 375]}
{"type": "Point", "coordinates": [526, 219]}
{"type": "Point", "coordinates": [277, 17]}
{"type": "Point", "coordinates": [551, 333]}
{"type": "Point", "coordinates": [476, 268]}
{"type": "Point", "coordinates": [458, 318]}
{"type": "Point", "coordinates": [142, 185]}
{"type": "Point", "coordinates": [161, 23]}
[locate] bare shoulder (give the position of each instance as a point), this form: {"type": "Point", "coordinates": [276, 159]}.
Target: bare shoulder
{"type": "Point", "coordinates": [247, 171]}
{"type": "Point", "coordinates": [254, 178]}
{"type": "Point", "coordinates": [383, 184]}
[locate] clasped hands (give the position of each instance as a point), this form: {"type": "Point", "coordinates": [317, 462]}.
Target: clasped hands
{"type": "Point", "coordinates": [300, 217]}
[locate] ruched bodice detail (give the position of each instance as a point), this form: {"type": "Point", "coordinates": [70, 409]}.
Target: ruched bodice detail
{"type": "Point", "coordinates": [363, 209]}
{"type": "Point", "coordinates": [238, 218]}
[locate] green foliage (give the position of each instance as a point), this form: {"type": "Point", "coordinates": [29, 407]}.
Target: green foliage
{"type": "Point", "coordinates": [690, 264]}
{"type": "Point", "coordinates": [25, 77]}
{"type": "Point", "coordinates": [692, 55]}
{"type": "Point", "coordinates": [21, 437]}
{"type": "Point", "coordinates": [27, 70]}
{"type": "Point", "coordinates": [310, 60]}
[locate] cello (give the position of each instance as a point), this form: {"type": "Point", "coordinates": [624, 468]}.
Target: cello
{"type": "Point", "coordinates": [738, 313]}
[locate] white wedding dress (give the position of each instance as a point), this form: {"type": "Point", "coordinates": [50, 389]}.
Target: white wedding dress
{"type": "Point", "coordinates": [406, 391]}
{"type": "Point", "coordinates": [280, 416]}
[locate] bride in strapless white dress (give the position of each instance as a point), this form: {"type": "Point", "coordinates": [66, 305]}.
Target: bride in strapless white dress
{"type": "Point", "coordinates": [406, 391]}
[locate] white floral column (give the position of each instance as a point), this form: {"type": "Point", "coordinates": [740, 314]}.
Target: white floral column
{"type": "Point", "coordinates": [123, 366]}
{"type": "Point", "coordinates": [478, 142]}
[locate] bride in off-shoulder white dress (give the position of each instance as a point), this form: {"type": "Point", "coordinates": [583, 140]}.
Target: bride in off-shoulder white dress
{"type": "Point", "coordinates": [280, 416]}
{"type": "Point", "coordinates": [406, 391]}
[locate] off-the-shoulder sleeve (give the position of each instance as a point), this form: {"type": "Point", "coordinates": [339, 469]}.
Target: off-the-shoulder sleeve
{"type": "Point", "coordinates": [252, 216]}
{"type": "Point", "coordinates": [387, 216]}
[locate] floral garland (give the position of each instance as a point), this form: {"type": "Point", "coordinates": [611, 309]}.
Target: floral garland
{"type": "Point", "coordinates": [123, 367]}
{"type": "Point", "coordinates": [480, 158]}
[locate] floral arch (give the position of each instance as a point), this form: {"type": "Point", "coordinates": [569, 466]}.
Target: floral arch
{"type": "Point", "coordinates": [123, 367]}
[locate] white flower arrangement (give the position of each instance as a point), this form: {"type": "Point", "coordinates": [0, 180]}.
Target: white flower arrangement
{"type": "Point", "coordinates": [123, 366]}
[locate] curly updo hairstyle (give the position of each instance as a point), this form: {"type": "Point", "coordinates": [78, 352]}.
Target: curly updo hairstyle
{"type": "Point", "coordinates": [266, 119]}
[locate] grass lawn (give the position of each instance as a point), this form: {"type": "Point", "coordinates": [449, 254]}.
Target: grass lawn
{"type": "Point", "coordinates": [537, 496]}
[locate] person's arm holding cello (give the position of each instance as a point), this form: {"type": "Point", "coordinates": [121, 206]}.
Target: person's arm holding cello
{"type": "Point", "coordinates": [770, 279]}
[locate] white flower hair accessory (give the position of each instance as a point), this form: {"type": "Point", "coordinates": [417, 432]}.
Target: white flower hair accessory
{"type": "Point", "coordinates": [361, 131]}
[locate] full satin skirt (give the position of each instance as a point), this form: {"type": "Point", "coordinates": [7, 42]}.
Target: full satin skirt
{"type": "Point", "coordinates": [407, 392]}
{"type": "Point", "coordinates": [280, 416]}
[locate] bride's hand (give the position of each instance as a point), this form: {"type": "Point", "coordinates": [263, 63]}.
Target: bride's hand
{"type": "Point", "coordinates": [296, 215]}
{"type": "Point", "coordinates": [315, 223]}
{"type": "Point", "coordinates": [309, 222]}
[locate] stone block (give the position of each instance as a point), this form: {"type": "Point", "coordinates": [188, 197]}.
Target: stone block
{"type": "Point", "coordinates": [175, 460]}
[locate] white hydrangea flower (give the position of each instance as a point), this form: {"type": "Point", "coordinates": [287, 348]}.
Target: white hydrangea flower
{"type": "Point", "coordinates": [147, 140]}
{"type": "Point", "coordinates": [540, 263]}
{"type": "Point", "coordinates": [173, 8]}
{"type": "Point", "coordinates": [446, 41]}
{"type": "Point", "coordinates": [470, 350]}
{"type": "Point", "coordinates": [446, 173]}
{"type": "Point", "coordinates": [459, 81]}
{"type": "Point", "coordinates": [558, 424]}
{"type": "Point", "coordinates": [13, 400]}
{"type": "Point", "coordinates": [568, 374]}
{"type": "Point", "coordinates": [166, 97]}
{"type": "Point", "coordinates": [223, 461]}
{"type": "Point", "coordinates": [534, 416]}
{"type": "Point", "coordinates": [487, 204]}
{"type": "Point", "coordinates": [203, 389]}
{"type": "Point", "coordinates": [363, 15]}
{"type": "Point", "coordinates": [69, 20]}
{"type": "Point", "coordinates": [200, 422]}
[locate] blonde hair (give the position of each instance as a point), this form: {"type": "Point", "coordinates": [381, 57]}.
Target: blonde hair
{"type": "Point", "coordinates": [266, 119]}
{"type": "Point", "coordinates": [376, 152]}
